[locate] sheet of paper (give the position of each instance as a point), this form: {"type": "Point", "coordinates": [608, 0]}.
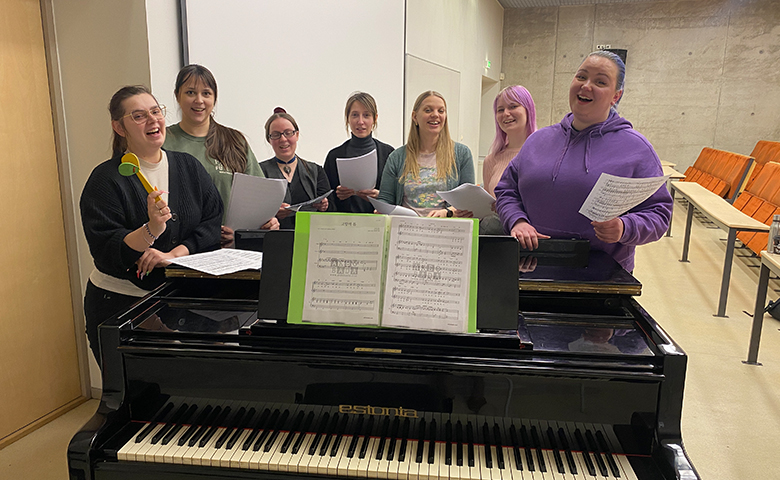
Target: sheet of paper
{"type": "Point", "coordinates": [222, 261]}
{"type": "Point", "coordinates": [470, 197]}
{"type": "Point", "coordinates": [253, 201]}
{"type": "Point", "coordinates": [344, 269]}
{"type": "Point", "coordinates": [387, 209]}
{"type": "Point", "coordinates": [298, 206]}
{"type": "Point", "coordinates": [358, 173]}
{"type": "Point", "coordinates": [428, 274]}
{"type": "Point", "coordinates": [613, 196]}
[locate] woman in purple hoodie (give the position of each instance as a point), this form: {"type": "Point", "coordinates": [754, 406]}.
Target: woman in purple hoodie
{"type": "Point", "coordinates": [543, 188]}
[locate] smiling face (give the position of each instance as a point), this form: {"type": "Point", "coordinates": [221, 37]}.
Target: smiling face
{"type": "Point", "coordinates": [142, 139]}
{"type": "Point", "coordinates": [593, 91]}
{"type": "Point", "coordinates": [361, 120]}
{"type": "Point", "coordinates": [431, 116]}
{"type": "Point", "coordinates": [196, 100]}
{"type": "Point", "coordinates": [284, 147]}
{"type": "Point", "coordinates": [511, 116]}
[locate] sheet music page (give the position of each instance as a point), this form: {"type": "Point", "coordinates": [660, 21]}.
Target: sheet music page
{"type": "Point", "coordinates": [468, 196]}
{"type": "Point", "coordinates": [344, 269]}
{"type": "Point", "coordinates": [253, 201]}
{"type": "Point", "coordinates": [358, 173]}
{"type": "Point", "coordinates": [387, 209]}
{"type": "Point", "coordinates": [613, 196]}
{"type": "Point", "coordinates": [298, 206]}
{"type": "Point", "coordinates": [428, 274]}
{"type": "Point", "coordinates": [222, 261]}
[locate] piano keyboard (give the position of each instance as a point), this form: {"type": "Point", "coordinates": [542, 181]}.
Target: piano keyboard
{"type": "Point", "coordinates": [321, 440]}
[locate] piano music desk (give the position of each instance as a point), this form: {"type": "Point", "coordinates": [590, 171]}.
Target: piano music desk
{"type": "Point", "coordinates": [726, 217]}
{"type": "Point", "coordinates": [770, 263]}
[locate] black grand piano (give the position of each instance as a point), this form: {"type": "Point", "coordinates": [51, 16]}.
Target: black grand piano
{"type": "Point", "coordinates": [583, 384]}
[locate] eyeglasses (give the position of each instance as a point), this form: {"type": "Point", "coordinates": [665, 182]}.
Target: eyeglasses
{"type": "Point", "coordinates": [142, 116]}
{"type": "Point", "coordinates": [278, 135]}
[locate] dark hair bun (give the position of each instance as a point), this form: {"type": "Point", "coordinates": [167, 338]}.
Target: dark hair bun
{"type": "Point", "coordinates": [279, 110]}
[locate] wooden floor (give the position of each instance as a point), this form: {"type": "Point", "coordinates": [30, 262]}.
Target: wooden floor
{"type": "Point", "coordinates": [731, 416]}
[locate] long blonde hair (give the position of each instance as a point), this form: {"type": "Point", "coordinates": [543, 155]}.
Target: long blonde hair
{"type": "Point", "coordinates": [445, 147]}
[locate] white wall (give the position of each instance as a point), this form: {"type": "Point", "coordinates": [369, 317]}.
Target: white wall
{"type": "Point", "coordinates": [162, 24]}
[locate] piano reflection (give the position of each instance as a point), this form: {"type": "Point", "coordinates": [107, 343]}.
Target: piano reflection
{"type": "Point", "coordinates": [584, 385]}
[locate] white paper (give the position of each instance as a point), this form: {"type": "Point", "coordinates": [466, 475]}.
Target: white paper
{"type": "Point", "coordinates": [222, 261]}
{"type": "Point", "coordinates": [344, 269]}
{"type": "Point", "coordinates": [470, 197]}
{"type": "Point", "coordinates": [428, 274]}
{"type": "Point", "coordinates": [358, 173]}
{"type": "Point", "coordinates": [298, 206]}
{"type": "Point", "coordinates": [253, 201]}
{"type": "Point", "coordinates": [387, 209]}
{"type": "Point", "coordinates": [613, 196]}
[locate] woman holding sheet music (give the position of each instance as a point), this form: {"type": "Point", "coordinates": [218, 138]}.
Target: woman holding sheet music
{"type": "Point", "coordinates": [221, 150]}
{"type": "Point", "coordinates": [429, 162]}
{"type": "Point", "coordinates": [132, 233]}
{"type": "Point", "coordinates": [360, 116]}
{"type": "Point", "coordinates": [305, 180]}
{"type": "Point", "coordinates": [543, 188]}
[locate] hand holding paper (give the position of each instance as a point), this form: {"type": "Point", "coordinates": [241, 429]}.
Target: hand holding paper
{"type": "Point", "coordinates": [470, 197]}
{"type": "Point", "coordinates": [253, 201]}
{"type": "Point", "coordinates": [613, 196]}
{"type": "Point", "coordinates": [387, 209]}
{"type": "Point", "coordinates": [358, 173]}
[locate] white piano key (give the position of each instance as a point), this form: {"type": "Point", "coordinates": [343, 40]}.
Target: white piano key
{"type": "Point", "coordinates": [394, 465]}
{"type": "Point", "coordinates": [481, 469]}
{"type": "Point", "coordinates": [440, 463]}
{"type": "Point", "coordinates": [299, 460]}
{"type": "Point", "coordinates": [127, 452]}
{"type": "Point", "coordinates": [576, 456]}
{"type": "Point", "coordinates": [340, 463]}
{"type": "Point", "coordinates": [618, 453]}
{"type": "Point", "coordinates": [233, 460]}
{"type": "Point", "coordinates": [276, 457]}
{"type": "Point", "coordinates": [366, 463]}
{"type": "Point", "coordinates": [413, 468]}
{"type": "Point", "coordinates": [138, 454]}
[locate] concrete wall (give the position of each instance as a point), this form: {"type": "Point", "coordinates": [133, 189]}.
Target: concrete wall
{"type": "Point", "coordinates": [700, 73]}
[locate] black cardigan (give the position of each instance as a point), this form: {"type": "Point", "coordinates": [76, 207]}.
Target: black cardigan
{"type": "Point", "coordinates": [113, 206]}
{"type": "Point", "coordinates": [354, 204]}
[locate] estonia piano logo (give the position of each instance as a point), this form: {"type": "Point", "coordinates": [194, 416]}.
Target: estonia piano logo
{"type": "Point", "coordinates": [380, 411]}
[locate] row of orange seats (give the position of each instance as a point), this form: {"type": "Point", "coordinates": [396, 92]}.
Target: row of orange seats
{"type": "Point", "coordinates": [719, 171]}
{"type": "Point", "coordinates": [761, 197]}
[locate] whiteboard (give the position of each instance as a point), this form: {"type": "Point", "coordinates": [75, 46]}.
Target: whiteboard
{"type": "Point", "coordinates": [306, 56]}
{"type": "Point", "coordinates": [421, 76]}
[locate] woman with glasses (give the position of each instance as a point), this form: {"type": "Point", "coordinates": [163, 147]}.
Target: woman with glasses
{"type": "Point", "coordinates": [429, 161]}
{"type": "Point", "coordinates": [221, 150]}
{"type": "Point", "coordinates": [305, 180]}
{"type": "Point", "coordinates": [360, 117]}
{"type": "Point", "coordinates": [132, 233]}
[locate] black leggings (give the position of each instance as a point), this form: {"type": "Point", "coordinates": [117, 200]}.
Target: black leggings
{"type": "Point", "coordinates": [99, 306]}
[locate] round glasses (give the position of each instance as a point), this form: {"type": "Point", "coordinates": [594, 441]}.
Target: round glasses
{"type": "Point", "coordinates": [142, 116]}
{"type": "Point", "coordinates": [278, 135]}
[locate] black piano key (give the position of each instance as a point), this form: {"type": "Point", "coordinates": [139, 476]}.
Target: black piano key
{"type": "Point", "coordinates": [383, 438]}
{"type": "Point", "coordinates": [459, 440]}
{"type": "Point", "coordinates": [270, 426]}
{"type": "Point", "coordinates": [204, 428]}
{"type": "Point", "coordinates": [184, 419]}
{"type": "Point", "coordinates": [418, 455]}
{"type": "Point", "coordinates": [340, 431]}
{"type": "Point", "coordinates": [432, 443]}
{"type": "Point", "coordinates": [404, 440]}
{"type": "Point", "coordinates": [231, 427]}
{"type": "Point", "coordinates": [470, 442]}
{"type": "Point", "coordinates": [585, 455]}
{"type": "Point", "coordinates": [529, 457]}
{"type": "Point", "coordinates": [555, 451]}
{"type": "Point", "coordinates": [448, 443]}
{"type": "Point", "coordinates": [275, 434]}
{"type": "Point", "coordinates": [593, 447]}
{"type": "Point", "coordinates": [202, 416]}
{"type": "Point", "coordinates": [170, 423]}
{"type": "Point", "coordinates": [567, 451]}
{"type": "Point", "coordinates": [293, 431]}
{"type": "Point", "coordinates": [329, 433]}
{"type": "Point", "coordinates": [259, 425]}
{"type": "Point", "coordinates": [304, 430]}
{"type": "Point", "coordinates": [499, 446]}
{"type": "Point", "coordinates": [607, 453]}
{"type": "Point", "coordinates": [488, 453]}
{"type": "Point", "coordinates": [393, 439]}
{"type": "Point", "coordinates": [318, 435]}
{"type": "Point", "coordinates": [157, 419]}
{"type": "Point", "coordinates": [220, 421]}
{"type": "Point", "coordinates": [234, 438]}
{"type": "Point", "coordinates": [516, 447]}
{"type": "Point", "coordinates": [538, 446]}
{"type": "Point", "coordinates": [366, 438]}
{"type": "Point", "coordinates": [355, 437]}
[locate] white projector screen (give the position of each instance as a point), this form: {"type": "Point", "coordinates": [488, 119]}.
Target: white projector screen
{"type": "Point", "coordinates": [306, 56]}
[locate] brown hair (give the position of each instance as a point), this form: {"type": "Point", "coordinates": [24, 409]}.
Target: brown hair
{"type": "Point", "coordinates": [367, 101]}
{"type": "Point", "coordinates": [445, 147]}
{"type": "Point", "coordinates": [117, 112]}
{"type": "Point", "coordinates": [278, 114]}
{"type": "Point", "coordinates": [225, 145]}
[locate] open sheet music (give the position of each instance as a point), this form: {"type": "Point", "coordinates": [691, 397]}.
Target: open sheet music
{"type": "Point", "coordinates": [389, 271]}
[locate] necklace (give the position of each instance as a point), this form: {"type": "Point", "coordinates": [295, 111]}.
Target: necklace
{"type": "Point", "coordinates": [286, 168]}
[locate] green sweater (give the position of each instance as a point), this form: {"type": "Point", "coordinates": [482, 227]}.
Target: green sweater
{"type": "Point", "coordinates": [392, 191]}
{"type": "Point", "coordinates": [178, 140]}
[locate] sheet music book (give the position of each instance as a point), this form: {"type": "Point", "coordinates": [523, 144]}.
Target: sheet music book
{"type": "Point", "coordinates": [388, 271]}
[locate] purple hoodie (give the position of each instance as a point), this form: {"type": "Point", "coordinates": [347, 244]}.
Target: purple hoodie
{"type": "Point", "coordinates": [547, 182]}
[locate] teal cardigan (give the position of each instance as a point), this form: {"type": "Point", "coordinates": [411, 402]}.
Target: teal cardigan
{"type": "Point", "coordinates": [392, 191]}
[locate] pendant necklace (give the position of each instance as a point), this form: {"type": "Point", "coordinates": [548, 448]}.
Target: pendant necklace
{"type": "Point", "coordinates": [286, 168]}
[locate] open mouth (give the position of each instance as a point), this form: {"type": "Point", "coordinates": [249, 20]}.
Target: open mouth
{"type": "Point", "coordinates": [156, 131]}
{"type": "Point", "coordinates": [584, 99]}
{"type": "Point", "coordinates": [507, 122]}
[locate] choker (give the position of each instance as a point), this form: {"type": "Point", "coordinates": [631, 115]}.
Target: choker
{"type": "Point", "coordinates": [286, 168]}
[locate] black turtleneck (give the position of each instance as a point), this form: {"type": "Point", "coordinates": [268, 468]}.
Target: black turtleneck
{"type": "Point", "coordinates": [360, 146]}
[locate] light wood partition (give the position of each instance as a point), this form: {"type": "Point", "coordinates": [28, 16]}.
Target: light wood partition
{"type": "Point", "coordinates": [39, 372]}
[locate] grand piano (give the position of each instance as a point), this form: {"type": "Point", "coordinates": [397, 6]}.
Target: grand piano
{"type": "Point", "coordinates": [200, 382]}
